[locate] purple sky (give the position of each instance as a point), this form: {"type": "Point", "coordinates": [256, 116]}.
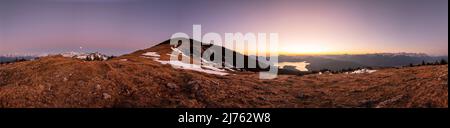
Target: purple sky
{"type": "Point", "coordinates": [304, 26]}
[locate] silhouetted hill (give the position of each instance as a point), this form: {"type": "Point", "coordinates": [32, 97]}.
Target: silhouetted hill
{"type": "Point", "coordinates": [164, 49]}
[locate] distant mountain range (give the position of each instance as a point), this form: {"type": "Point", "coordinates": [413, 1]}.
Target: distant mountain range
{"type": "Point", "coordinates": [339, 62]}
{"type": "Point", "coordinates": [197, 49]}
{"type": "Point", "coordinates": [14, 58]}
{"type": "Point", "coordinates": [77, 55]}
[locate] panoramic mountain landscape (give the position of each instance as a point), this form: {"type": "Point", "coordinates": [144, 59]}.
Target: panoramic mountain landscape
{"type": "Point", "coordinates": [224, 54]}
{"type": "Point", "coordinates": [144, 79]}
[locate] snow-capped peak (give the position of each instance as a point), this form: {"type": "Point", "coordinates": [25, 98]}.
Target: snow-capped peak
{"type": "Point", "coordinates": [86, 56]}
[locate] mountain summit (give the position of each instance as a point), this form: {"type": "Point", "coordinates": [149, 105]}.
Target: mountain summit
{"type": "Point", "coordinates": [195, 53]}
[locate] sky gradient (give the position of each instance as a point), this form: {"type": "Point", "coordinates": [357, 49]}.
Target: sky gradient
{"type": "Point", "coordinates": [304, 26]}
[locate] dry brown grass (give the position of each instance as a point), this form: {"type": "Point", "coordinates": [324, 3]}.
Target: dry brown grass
{"type": "Point", "coordinates": [140, 82]}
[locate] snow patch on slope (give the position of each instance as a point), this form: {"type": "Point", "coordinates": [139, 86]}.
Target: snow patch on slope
{"type": "Point", "coordinates": [363, 71]}
{"type": "Point", "coordinates": [152, 54]}
{"type": "Point", "coordinates": [181, 65]}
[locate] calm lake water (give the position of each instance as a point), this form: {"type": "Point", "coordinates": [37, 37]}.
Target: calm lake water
{"type": "Point", "coordinates": [298, 65]}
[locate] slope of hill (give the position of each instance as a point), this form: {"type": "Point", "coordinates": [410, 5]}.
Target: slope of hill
{"type": "Point", "coordinates": [136, 81]}
{"type": "Point", "coordinates": [164, 49]}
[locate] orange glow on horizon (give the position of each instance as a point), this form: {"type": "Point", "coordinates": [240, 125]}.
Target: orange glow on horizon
{"type": "Point", "coordinates": [325, 53]}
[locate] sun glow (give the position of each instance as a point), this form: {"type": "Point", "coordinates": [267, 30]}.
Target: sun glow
{"type": "Point", "coordinates": [304, 48]}
{"type": "Point", "coordinates": [317, 47]}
